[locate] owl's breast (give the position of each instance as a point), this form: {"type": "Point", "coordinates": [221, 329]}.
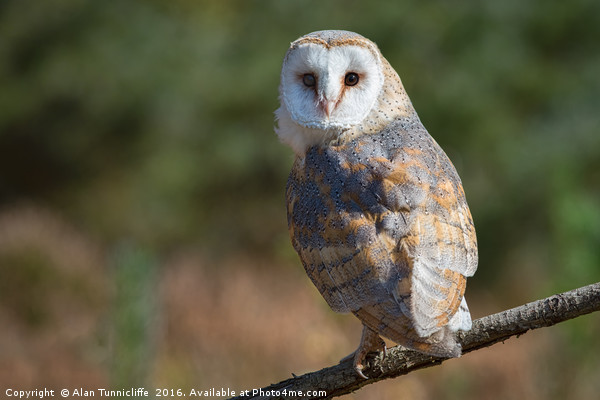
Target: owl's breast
{"type": "Point", "coordinates": [341, 196]}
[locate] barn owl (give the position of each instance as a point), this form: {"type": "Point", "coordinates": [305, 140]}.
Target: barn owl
{"type": "Point", "coordinates": [376, 210]}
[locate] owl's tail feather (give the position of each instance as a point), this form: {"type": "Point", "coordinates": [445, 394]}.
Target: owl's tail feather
{"type": "Point", "coordinates": [442, 343]}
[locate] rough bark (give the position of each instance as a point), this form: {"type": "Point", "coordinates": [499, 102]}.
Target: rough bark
{"type": "Point", "coordinates": [341, 379]}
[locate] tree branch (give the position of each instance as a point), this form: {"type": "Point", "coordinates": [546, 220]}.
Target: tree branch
{"type": "Point", "coordinates": [341, 379]}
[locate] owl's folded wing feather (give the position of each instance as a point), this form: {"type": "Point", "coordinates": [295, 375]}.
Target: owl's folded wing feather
{"type": "Point", "coordinates": [440, 246]}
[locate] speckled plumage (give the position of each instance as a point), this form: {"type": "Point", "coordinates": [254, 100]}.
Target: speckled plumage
{"type": "Point", "coordinates": [378, 216]}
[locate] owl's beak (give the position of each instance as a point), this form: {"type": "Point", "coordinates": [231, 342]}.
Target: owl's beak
{"type": "Point", "coordinates": [327, 106]}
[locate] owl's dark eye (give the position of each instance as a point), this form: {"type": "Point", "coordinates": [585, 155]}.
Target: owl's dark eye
{"type": "Point", "coordinates": [309, 80]}
{"type": "Point", "coordinates": [351, 79]}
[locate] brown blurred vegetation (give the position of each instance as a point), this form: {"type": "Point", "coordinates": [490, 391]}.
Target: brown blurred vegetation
{"type": "Point", "coordinates": [143, 233]}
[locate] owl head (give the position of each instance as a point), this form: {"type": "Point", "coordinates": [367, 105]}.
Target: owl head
{"type": "Point", "coordinates": [336, 85]}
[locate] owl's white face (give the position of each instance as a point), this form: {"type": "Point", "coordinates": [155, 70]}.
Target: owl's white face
{"type": "Point", "coordinates": [332, 87]}
{"type": "Point", "coordinates": [325, 89]}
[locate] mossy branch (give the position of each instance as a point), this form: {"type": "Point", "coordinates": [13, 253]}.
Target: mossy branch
{"type": "Point", "coordinates": [341, 379]}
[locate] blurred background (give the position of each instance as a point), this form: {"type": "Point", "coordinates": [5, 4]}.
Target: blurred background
{"type": "Point", "coordinates": [143, 235]}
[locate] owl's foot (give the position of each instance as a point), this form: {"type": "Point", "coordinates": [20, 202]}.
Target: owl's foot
{"type": "Point", "coordinates": [369, 342]}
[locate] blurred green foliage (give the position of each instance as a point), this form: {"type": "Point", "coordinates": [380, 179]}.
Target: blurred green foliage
{"type": "Point", "coordinates": [134, 316]}
{"type": "Point", "coordinates": [153, 121]}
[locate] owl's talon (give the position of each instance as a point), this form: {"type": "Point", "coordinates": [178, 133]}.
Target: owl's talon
{"type": "Point", "coordinates": [356, 362]}
{"type": "Point", "coordinates": [359, 356]}
{"type": "Point", "coordinates": [359, 370]}
{"type": "Point", "coordinates": [369, 342]}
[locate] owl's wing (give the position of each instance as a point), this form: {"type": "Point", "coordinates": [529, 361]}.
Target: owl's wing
{"type": "Point", "coordinates": [439, 245]}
